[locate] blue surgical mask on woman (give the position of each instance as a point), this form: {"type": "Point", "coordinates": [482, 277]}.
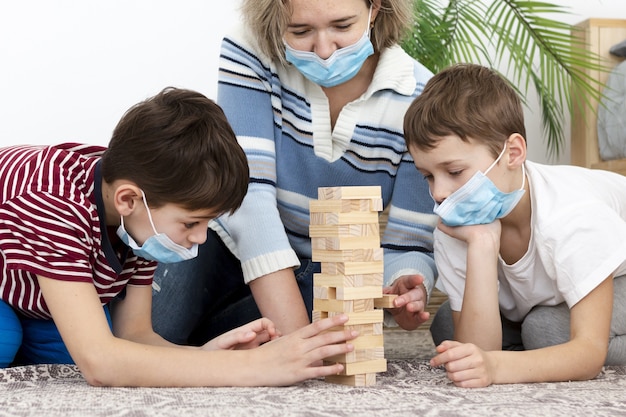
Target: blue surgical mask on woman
{"type": "Point", "coordinates": [158, 247]}
{"type": "Point", "coordinates": [479, 201]}
{"type": "Point", "coordinates": [341, 66]}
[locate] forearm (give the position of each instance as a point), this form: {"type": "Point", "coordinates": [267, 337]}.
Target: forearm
{"type": "Point", "coordinates": [120, 362]}
{"type": "Point", "coordinates": [278, 297]}
{"type": "Point", "coordinates": [576, 360]}
{"type": "Point", "coordinates": [150, 338]}
{"type": "Point", "coordinates": [479, 321]}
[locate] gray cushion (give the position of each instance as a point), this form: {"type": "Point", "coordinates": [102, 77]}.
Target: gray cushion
{"type": "Point", "coordinates": [619, 49]}
{"type": "Point", "coordinates": [612, 116]}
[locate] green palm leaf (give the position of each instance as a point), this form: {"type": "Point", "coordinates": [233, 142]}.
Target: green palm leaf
{"type": "Point", "coordinates": [532, 49]}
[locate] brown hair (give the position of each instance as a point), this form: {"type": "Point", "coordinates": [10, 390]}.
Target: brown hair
{"type": "Point", "coordinates": [179, 148]}
{"type": "Point", "coordinates": [467, 100]}
{"type": "Point", "coordinates": [268, 20]}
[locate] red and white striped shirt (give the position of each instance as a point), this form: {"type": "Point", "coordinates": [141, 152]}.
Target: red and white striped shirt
{"type": "Point", "coordinates": [52, 225]}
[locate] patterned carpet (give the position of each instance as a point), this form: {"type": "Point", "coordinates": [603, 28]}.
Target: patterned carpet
{"type": "Point", "coordinates": [409, 388]}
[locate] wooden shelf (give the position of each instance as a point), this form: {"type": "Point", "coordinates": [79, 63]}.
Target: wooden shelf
{"type": "Point", "coordinates": [600, 35]}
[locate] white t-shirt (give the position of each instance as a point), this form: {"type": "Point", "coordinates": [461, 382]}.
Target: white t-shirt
{"type": "Point", "coordinates": [578, 238]}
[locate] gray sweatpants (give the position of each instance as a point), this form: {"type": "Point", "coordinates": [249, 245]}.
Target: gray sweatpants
{"type": "Point", "coordinates": [546, 326]}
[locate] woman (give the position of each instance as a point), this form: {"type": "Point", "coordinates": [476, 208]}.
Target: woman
{"type": "Point", "coordinates": [316, 91]}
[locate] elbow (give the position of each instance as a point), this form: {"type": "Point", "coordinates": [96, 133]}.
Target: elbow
{"type": "Point", "coordinates": [591, 372]}
{"type": "Point", "coordinates": [97, 370]}
{"type": "Point", "coordinates": [594, 362]}
{"type": "Point", "coordinates": [596, 366]}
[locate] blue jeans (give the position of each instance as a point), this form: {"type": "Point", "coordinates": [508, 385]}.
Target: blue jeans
{"type": "Point", "coordinates": [26, 341]}
{"type": "Point", "coordinates": [547, 326]}
{"type": "Point", "coordinates": [196, 300]}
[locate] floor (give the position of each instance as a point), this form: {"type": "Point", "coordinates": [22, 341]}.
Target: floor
{"type": "Point", "coordinates": [402, 344]}
{"type": "Point", "coordinates": [416, 344]}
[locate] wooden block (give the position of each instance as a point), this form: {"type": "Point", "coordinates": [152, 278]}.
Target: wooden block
{"type": "Point", "coordinates": [353, 217]}
{"type": "Point", "coordinates": [344, 230]}
{"type": "Point", "coordinates": [358, 355]}
{"type": "Point", "coordinates": [361, 317]}
{"type": "Point", "coordinates": [376, 204]}
{"type": "Point", "coordinates": [317, 315]}
{"type": "Point", "coordinates": [323, 292]}
{"type": "Point", "coordinates": [365, 304]}
{"type": "Point", "coordinates": [355, 293]}
{"type": "Point", "coordinates": [345, 206]}
{"type": "Point", "coordinates": [334, 306]}
{"type": "Point", "coordinates": [360, 380]}
{"type": "Point", "coordinates": [363, 329]}
{"type": "Point", "coordinates": [343, 243]}
{"type": "Point", "coordinates": [368, 342]}
{"type": "Point", "coordinates": [340, 280]}
{"type": "Point", "coordinates": [386, 301]}
{"type": "Point", "coordinates": [339, 193]}
{"type": "Point", "coordinates": [343, 306]}
{"type": "Point", "coordinates": [348, 255]}
{"type": "Point", "coordinates": [349, 192]}
{"type": "Point", "coordinates": [363, 367]}
{"type": "Point", "coordinates": [352, 268]}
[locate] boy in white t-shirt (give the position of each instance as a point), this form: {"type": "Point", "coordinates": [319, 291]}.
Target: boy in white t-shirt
{"type": "Point", "coordinates": [531, 256]}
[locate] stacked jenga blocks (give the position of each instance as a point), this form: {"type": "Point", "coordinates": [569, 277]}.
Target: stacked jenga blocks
{"type": "Point", "coordinates": [345, 239]}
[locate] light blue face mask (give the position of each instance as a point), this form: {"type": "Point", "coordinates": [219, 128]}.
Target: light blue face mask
{"type": "Point", "coordinates": [158, 247]}
{"type": "Point", "coordinates": [479, 201]}
{"type": "Point", "coordinates": [338, 68]}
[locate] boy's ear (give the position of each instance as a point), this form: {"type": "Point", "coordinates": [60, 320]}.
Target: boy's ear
{"type": "Point", "coordinates": [517, 150]}
{"type": "Point", "coordinates": [125, 198]}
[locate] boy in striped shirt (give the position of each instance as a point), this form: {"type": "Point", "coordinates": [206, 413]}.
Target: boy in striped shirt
{"type": "Point", "coordinates": [82, 229]}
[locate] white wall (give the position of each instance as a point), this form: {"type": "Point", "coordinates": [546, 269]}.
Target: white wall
{"type": "Point", "coordinates": [70, 68]}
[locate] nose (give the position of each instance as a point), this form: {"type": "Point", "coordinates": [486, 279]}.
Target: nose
{"type": "Point", "coordinates": [439, 192]}
{"type": "Point", "coordinates": [324, 46]}
{"type": "Point", "coordinates": [199, 235]}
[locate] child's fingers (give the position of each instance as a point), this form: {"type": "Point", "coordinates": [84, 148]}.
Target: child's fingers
{"type": "Point", "coordinates": [322, 325]}
{"type": "Point", "coordinates": [467, 378]}
{"type": "Point", "coordinates": [322, 371]}
{"type": "Point", "coordinates": [446, 353]}
{"type": "Point", "coordinates": [263, 325]}
{"type": "Point", "coordinates": [468, 371]}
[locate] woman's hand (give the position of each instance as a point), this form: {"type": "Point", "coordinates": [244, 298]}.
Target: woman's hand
{"type": "Point", "coordinates": [410, 305]}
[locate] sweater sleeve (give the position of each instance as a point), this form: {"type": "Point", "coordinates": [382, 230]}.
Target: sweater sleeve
{"type": "Point", "coordinates": [255, 232]}
{"type": "Point", "coordinates": [408, 237]}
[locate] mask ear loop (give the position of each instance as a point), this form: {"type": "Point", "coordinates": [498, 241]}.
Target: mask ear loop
{"type": "Point", "coordinates": [496, 161]}
{"type": "Point", "coordinates": [145, 202]}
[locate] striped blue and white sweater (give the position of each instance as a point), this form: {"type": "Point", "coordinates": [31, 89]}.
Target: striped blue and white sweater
{"type": "Point", "coordinates": [282, 121]}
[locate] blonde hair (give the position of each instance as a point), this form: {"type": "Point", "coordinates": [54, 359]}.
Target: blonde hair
{"type": "Point", "coordinates": [268, 20]}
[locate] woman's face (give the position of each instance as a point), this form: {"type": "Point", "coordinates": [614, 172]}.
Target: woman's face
{"type": "Point", "coordinates": [323, 26]}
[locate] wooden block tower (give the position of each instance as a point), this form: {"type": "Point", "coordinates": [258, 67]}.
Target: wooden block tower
{"type": "Point", "coordinates": [345, 239]}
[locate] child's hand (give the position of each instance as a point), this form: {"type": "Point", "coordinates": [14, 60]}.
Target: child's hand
{"type": "Point", "coordinates": [298, 356]}
{"type": "Point", "coordinates": [411, 302]}
{"type": "Point", "coordinates": [248, 336]}
{"type": "Point", "coordinates": [466, 364]}
{"type": "Point", "coordinates": [471, 233]}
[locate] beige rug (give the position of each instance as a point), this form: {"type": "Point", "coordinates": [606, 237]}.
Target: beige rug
{"type": "Point", "coordinates": [409, 388]}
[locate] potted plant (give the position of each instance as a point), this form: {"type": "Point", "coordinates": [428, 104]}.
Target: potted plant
{"type": "Point", "coordinates": [518, 35]}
